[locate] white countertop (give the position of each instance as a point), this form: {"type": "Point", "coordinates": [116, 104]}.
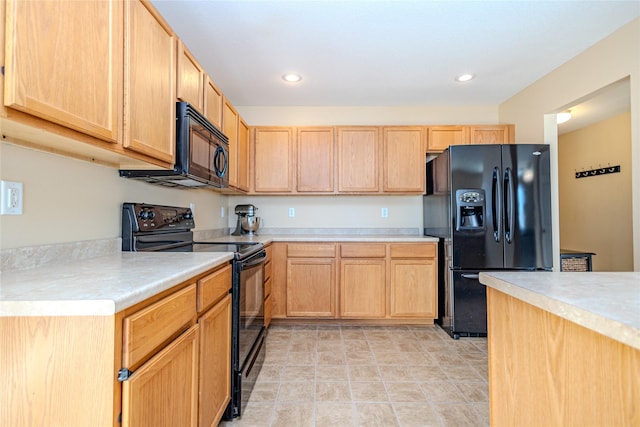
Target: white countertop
{"type": "Point", "coordinates": [99, 286]}
{"type": "Point", "coordinates": [607, 303]}
{"type": "Point", "coordinates": [338, 238]}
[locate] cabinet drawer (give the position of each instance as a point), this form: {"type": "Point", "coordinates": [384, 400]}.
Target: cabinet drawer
{"type": "Point", "coordinates": [363, 250]}
{"type": "Point", "coordinates": [413, 250]}
{"type": "Point", "coordinates": [147, 330]}
{"type": "Point", "coordinates": [213, 287]}
{"type": "Point", "coordinates": [311, 250]}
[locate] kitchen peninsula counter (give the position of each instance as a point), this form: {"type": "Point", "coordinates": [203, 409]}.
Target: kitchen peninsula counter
{"type": "Point", "coordinates": [564, 348]}
{"type": "Point", "coordinates": [100, 286]}
{"type": "Point", "coordinates": [330, 237]}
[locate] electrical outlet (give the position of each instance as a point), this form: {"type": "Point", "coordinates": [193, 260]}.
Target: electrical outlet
{"type": "Point", "coordinates": [221, 211]}
{"type": "Point", "coordinates": [292, 212]}
{"type": "Point", "coordinates": [384, 212]}
{"type": "Point", "coordinates": [11, 203]}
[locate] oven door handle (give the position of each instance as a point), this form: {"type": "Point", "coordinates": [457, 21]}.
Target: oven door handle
{"type": "Point", "coordinates": [255, 261]}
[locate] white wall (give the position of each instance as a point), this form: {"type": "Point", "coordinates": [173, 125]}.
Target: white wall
{"type": "Point", "coordinates": [614, 58]}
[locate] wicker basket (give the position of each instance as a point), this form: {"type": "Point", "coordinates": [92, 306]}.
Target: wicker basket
{"type": "Point", "coordinates": [575, 264]}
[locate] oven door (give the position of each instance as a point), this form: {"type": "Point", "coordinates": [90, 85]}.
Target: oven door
{"type": "Point", "coordinates": [250, 304]}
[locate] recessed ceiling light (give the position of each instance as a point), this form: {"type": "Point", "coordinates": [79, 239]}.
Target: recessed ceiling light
{"type": "Point", "coordinates": [292, 77]}
{"type": "Point", "coordinates": [563, 117]}
{"type": "Point", "coordinates": [463, 78]}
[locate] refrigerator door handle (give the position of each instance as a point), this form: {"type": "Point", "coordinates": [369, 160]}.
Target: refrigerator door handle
{"type": "Point", "coordinates": [471, 276]}
{"type": "Point", "coordinates": [496, 208]}
{"type": "Point", "coordinates": [508, 205]}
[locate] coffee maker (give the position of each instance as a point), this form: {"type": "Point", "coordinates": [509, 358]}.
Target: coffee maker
{"type": "Point", "coordinates": [248, 223]}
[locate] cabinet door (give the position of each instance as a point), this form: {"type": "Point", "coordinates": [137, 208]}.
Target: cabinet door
{"type": "Point", "coordinates": [310, 287]}
{"type": "Point", "coordinates": [362, 288]}
{"type": "Point", "coordinates": [413, 288]}
{"type": "Point", "coordinates": [441, 137]}
{"type": "Point", "coordinates": [358, 159]}
{"type": "Point", "coordinates": [243, 166]}
{"type": "Point", "coordinates": [230, 129]}
{"type": "Point", "coordinates": [64, 63]}
{"type": "Point", "coordinates": [164, 391]}
{"type": "Point", "coordinates": [315, 160]}
{"type": "Point", "coordinates": [492, 134]}
{"type": "Point", "coordinates": [212, 102]}
{"type": "Point", "coordinates": [215, 362]}
{"type": "Point", "coordinates": [273, 160]}
{"type": "Point", "coordinates": [190, 78]}
{"type": "Point", "coordinates": [150, 82]}
{"type": "Point", "coordinates": [404, 159]}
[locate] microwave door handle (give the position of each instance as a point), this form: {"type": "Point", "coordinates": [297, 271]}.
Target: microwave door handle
{"type": "Point", "coordinates": [496, 204]}
{"type": "Point", "coordinates": [220, 157]}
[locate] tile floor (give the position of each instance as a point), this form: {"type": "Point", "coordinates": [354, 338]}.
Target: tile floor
{"type": "Point", "coordinates": [343, 376]}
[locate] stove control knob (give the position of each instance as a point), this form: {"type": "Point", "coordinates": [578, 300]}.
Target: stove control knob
{"type": "Point", "coordinates": [187, 215]}
{"type": "Point", "coordinates": [152, 214]}
{"type": "Point", "coordinates": [144, 215]}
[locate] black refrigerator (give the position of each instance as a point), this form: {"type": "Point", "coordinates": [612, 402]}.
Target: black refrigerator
{"type": "Point", "coordinates": [490, 205]}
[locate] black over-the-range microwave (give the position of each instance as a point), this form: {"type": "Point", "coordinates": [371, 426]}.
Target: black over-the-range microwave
{"type": "Point", "coordinates": [202, 155]}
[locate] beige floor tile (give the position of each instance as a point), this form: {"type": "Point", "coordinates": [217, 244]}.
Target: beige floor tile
{"type": "Point", "coordinates": [462, 373]}
{"type": "Point", "coordinates": [416, 415]}
{"type": "Point", "coordinates": [483, 411]}
{"type": "Point", "coordinates": [331, 358]}
{"type": "Point", "coordinates": [264, 391]}
{"type": "Point", "coordinates": [296, 391]}
{"type": "Point", "coordinates": [360, 358]}
{"type": "Point", "coordinates": [427, 373]}
{"type": "Point", "coordinates": [474, 391]}
{"type": "Point", "coordinates": [330, 345]}
{"type": "Point", "coordinates": [333, 391]}
{"type": "Point", "coordinates": [356, 346]}
{"type": "Point", "coordinates": [418, 358]}
{"type": "Point", "coordinates": [300, 358]}
{"type": "Point", "coordinates": [354, 333]}
{"type": "Point", "coordinates": [372, 391]}
{"type": "Point", "coordinates": [330, 414]}
{"type": "Point", "coordinates": [298, 373]}
{"type": "Point", "coordinates": [457, 415]}
{"type": "Point", "coordinates": [389, 358]}
{"type": "Point", "coordinates": [397, 373]}
{"type": "Point", "coordinates": [270, 373]}
{"type": "Point", "coordinates": [442, 392]}
{"type": "Point", "coordinates": [331, 372]}
{"type": "Point", "coordinates": [293, 415]}
{"type": "Point", "coordinates": [364, 373]}
{"type": "Point", "coordinates": [304, 345]}
{"type": "Point", "coordinates": [405, 392]}
{"type": "Point", "coordinates": [382, 346]}
{"type": "Point", "coordinates": [376, 414]}
{"type": "Point", "coordinates": [329, 334]}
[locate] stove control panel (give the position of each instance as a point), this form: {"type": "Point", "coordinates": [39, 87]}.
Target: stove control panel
{"type": "Point", "coordinates": [143, 217]}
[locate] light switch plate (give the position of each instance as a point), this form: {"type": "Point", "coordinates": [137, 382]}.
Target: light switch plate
{"type": "Point", "coordinates": [11, 203]}
{"type": "Point", "coordinates": [292, 212]}
{"type": "Point", "coordinates": [384, 212]}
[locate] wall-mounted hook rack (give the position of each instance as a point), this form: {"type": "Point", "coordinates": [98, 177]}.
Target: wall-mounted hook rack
{"type": "Point", "coordinates": [599, 171]}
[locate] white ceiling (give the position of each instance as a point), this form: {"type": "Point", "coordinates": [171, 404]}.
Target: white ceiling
{"type": "Point", "coordinates": [384, 53]}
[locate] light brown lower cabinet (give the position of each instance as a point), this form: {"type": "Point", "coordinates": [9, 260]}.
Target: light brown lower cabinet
{"type": "Point", "coordinates": [163, 391]}
{"type": "Point", "coordinates": [362, 288]}
{"type": "Point", "coordinates": [163, 362]}
{"type": "Point", "coordinates": [375, 281]}
{"type": "Point", "coordinates": [215, 363]}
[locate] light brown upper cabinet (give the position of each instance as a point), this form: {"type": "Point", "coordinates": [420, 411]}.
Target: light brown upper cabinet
{"type": "Point", "coordinates": [230, 129]}
{"type": "Point", "coordinates": [358, 151]}
{"type": "Point", "coordinates": [273, 159]}
{"type": "Point", "coordinates": [242, 166]}
{"type": "Point", "coordinates": [57, 70]}
{"type": "Point", "coordinates": [493, 134]}
{"type": "Point", "coordinates": [150, 82]}
{"type": "Point", "coordinates": [404, 159]}
{"type": "Point", "coordinates": [441, 137]}
{"type": "Point", "coordinates": [315, 172]}
{"type": "Point", "coordinates": [212, 102]}
{"type": "Point", "coordinates": [190, 78]}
